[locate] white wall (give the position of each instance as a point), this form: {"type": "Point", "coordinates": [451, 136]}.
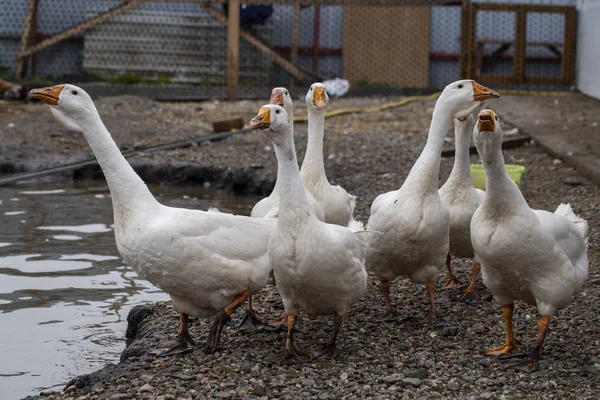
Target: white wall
{"type": "Point", "coordinates": [588, 47]}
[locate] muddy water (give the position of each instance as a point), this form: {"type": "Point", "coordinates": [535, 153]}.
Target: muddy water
{"type": "Point", "coordinates": [64, 291]}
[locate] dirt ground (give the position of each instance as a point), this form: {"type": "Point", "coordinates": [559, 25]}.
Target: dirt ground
{"type": "Point", "coordinates": [367, 154]}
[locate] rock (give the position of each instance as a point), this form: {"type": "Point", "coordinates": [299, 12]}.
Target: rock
{"type": "Point", "coordinates": [450, 331]}
{"type": "Point", "coordinates": [48, 392]}
{"type": "Point", "coordinates": [135, 317]}
{"type": "Point", "coordinates": [484, 362]}
{"type": "Point", "coordinates": [259, 390]}
{"type": "Point", "coordinates": [119, 396]}
{"type": "Point", "coordinates": [416, 382]}
{"type": "Point", "coordinates": [70, 389]}
{"type": "Point", "coordinates": [308, 382]}
{"type": "Point", "coordinates": [392, 378]}
{"type": "Point", "coordinates": [452, 385]}
{"type": "Point", "coordinates": [182, 377]}
{"type": "Point", "coordinates": [572, 181]}
{"type": "Point", "coordinates": [485, 395]}
{"type": "Point", "coordinates": [344, 376]}
{"type": "Point", "coordinates": [146, 388]}
{"type": "Point", "coordinates": [420, 373]}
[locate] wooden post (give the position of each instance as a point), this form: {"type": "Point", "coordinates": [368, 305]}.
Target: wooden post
{"type": "Point", "coordinates": [233, 48]}
{"type": "Point", "coordinates": [28, 35]}
{"type": "Point", "coordinates": [267, 50]}
{"type": "Point", "coordinates": [520, 38]}
{"type": "Point", "coordinates": [295, 36]}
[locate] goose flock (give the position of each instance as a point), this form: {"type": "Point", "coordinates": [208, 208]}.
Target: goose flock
{"type": "Point", "coordinates": [304, 236]}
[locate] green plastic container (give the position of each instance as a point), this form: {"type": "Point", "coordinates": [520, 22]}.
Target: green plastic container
{"type": "Point", "coordinates": [478, 174]}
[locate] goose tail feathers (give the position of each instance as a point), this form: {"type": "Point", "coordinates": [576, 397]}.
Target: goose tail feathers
{"type": "Point", "coordinates": [566, 211]}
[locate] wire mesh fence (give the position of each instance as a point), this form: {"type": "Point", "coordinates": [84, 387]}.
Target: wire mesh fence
{"type": "Point", "coordinates": [186, 47]}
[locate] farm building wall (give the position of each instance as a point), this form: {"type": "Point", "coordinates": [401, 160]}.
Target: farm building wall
{"type": "Point", "coordinates": [67, 58]}
{"type": "Point", "coordinates": [588, 47]}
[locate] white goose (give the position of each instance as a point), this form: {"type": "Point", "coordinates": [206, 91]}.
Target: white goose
{"type": "Point", "coordinates": [337, 204]}
{"type": "Point", "coordinates": [534, 256]}
{"type": "Point", "coordinates": [319, 267]}
{"type": "Point", "coordinates": [269, 206]}
{"type": "Point", "coordinates": [208, 262]}
{"type": "Point", "coordinates": [461, 199]}
{"type": "Point", "coordinates": [412, 221]}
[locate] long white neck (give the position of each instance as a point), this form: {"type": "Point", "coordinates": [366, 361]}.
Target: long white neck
{"type": "Point", "coordinates": [461, 171]}
{"type": "Point", "coordinates": [289, 108]}
{"type": "Point", "coordinates": [313, 164]}
{"type": "Point", "coordinates": [426, 170]}
{"type": "Point", "coordinates": [128, 191]}
{"type": "Point", "coordinates": [292, 195]}
{"type": "Point", "coordinates": [501, 192]}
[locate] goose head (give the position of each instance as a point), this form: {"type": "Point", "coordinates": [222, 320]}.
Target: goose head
{"type": "Point", "coordinates": [462, 97]}
{"type": "Point", "coordinates": [281, 96]}
{"type": "Point", "coordinates": [273, 121]}
{"type": "Point", "coordinates": [69, 104]}
{"type": "Point", "coordinates": [317, 96]}
{"type": "Point", "coordinates": [487, 134]}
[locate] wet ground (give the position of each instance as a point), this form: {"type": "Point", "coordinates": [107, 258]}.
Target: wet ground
{"type": "Point", "coordinates": [368, 154]}
{"type": "Point", "coordinates": [64, 291]}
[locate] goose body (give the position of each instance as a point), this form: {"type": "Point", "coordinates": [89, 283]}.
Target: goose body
{"type": "Point", "coordinates": [337, 204]}
{"type": "Point", "coordinates": [412, 222]}
{"type": "Point", "coordinates": [207, 262]}
{"type": "Point", "coordinates": [319, 267]}
{"type": "Point", "coordinates": [269, 206]}
{"type": "Point", "coordinates": [534, 256]}
{"type": "Point", "coordinates": [461, 199]}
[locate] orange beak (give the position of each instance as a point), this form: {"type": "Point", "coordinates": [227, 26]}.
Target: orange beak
{"type": "Point", "coordinates": [486, 121]}
{"type": "Point", "coordinates": [262, 120]}
{"type": "Point", "coordinates": [319, 97]}
{"type": "Point", "coordinates": [481, 92]}
{"type": "Point", "coordinates": [277, 97]}
{"type": "Point", "coordinates": [49, 95]}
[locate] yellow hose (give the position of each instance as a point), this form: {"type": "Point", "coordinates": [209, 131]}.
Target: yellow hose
{"type": "Point", "coordinates": [433, 96]}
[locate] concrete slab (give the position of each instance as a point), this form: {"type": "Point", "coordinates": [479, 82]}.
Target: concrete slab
{"type": "Point", "coordinates": [568, 126]}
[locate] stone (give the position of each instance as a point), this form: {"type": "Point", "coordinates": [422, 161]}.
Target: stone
{"type": "Point", "coordinates": [485, 395]}
{"type": "Point", "coordinates": [70, 389]}
{"type": "Point", "coordinates": [146, 388]}
{"type": "Point", "coordinates": [452, 385]}
{"type": "Point", "coordinates": [392, 378]}
{"type": "Point", "coordinates": [119, 396]}
{"type": "Point", "coordinates": [450, 331]}
{"type": "Point", "coordinates": [259, 390]}
{"type": "Point", "coordinates": [484, 362]}
{"type": "Point", "coordinates": [308, 382]}
{"type": "Point", "coordinates": [344, 376]}
{"type": "Point", "coordinates": [420, 373]}
{"type": "Point", "coordinates": [416, 382]}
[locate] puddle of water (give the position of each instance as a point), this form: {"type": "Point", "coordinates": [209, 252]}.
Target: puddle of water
{"type": "Point", "coordinates": [64, 291]}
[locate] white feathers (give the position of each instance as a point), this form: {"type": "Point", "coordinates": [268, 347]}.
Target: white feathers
{"type": "Point", "coordinates": [565, 210]}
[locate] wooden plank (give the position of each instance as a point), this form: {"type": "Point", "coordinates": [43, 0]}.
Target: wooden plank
{"type": "Point", "coordinates": [372, 58]}
{"type": "Point", "coordinates": [125, 6]}
{"type": "Point", "coordinates": [253, 40]}
{"type": "Point", "coordinates": [520, 38]}
{"type": "Point", "coordinates": [233, 48]}
{"type": "Point", "coordinates": [28, 35]}
{"type": "Point", "coordinates": [568, 59]}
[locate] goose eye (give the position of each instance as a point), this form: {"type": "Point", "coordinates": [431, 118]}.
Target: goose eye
{"type": "Point", "coordinates": [496, 118]}
{"type": "Point", "coordinates": [460, 86]}
{"type": "Point", "coordinates": [74, 92]}
{"type": "Point", "coordinates": [276, 111]}
{"type": "Point", "coordinates": [286, 93]}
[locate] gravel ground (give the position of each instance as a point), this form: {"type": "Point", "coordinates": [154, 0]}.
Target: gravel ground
{"type": "Point", "coordinates": [368, 154]}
